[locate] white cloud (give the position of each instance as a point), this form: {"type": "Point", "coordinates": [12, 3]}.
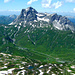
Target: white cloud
{"type": "Point", "coordinates": [70, 0]}
{"type": "Point", "coordinates": [5, 1]}
{"type": "Point", "coordinates": [46, 3]}
{"type": "Point", "coordinates": [57, 4]}
{"type": "Point", "coordinates": [74, 9]}
{"type": "Point", "coordinates": [30, 2]}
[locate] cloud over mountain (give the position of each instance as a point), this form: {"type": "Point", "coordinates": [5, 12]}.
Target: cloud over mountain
{"type": "Point", "coordinates": [31, 1]}
{"type": "Point", "coordinates": [46, 3]}
{"type": "Point", "coordinates": [5, 1]}
{"type": "Point", "coordinates": [49, 4]}
{"type": "Point", "coordinates": [57, 4]}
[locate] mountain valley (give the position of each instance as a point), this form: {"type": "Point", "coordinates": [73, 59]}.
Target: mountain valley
{"type": "Point", "coordinates": [42, 38]}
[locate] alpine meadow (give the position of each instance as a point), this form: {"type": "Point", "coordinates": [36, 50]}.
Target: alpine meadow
{"type": "Point", "coordinates": [37, 42]}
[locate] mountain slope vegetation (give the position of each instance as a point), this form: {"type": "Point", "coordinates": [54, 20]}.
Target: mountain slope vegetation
{"type": "Point", "coordinates": [38, 39]}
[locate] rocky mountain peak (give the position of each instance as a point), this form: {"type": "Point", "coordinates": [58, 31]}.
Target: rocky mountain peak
{"type": "Point", "coordinates": [30, 9]}
{"type": "Point", "coordinates": [29, 15]}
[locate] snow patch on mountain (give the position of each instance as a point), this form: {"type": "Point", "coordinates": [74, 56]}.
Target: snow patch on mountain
{"type": "Point", "coordinates": [11, 23]}
{"type": "Point", "coordinates": [39, 14]}
{"type": "Point", "coordinates": [57, 25]}
{"type": "Point", "coordinates": [43, 19]}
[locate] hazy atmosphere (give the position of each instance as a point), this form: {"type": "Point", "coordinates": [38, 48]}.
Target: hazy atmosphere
{"type": "Point", "coordinates": [63, 7]}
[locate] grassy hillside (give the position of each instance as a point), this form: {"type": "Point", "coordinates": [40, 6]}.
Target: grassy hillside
{"type": "Point", "coordinates": [59, 44]}
{"type": "Point", "coordinates": [44, 44]}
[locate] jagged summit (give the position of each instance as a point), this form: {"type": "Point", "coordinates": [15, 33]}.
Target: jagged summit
{"type": "Point", "coordinates": [29, 9]}
{"type": "Point", "coordinates": [29, 15]}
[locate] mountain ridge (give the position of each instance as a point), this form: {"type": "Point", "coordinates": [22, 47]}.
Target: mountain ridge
{"type": "Point", "coordinates": [30, 15]}
{"type": "Point", "coordinates": [7, 19]}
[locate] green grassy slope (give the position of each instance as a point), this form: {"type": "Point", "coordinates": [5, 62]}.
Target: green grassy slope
{"type": "Point", "coordinates": [40, 43]}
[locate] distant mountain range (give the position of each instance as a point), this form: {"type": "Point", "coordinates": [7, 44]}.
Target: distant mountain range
{"type": "Point", "coordinates": [71, 18]}
{"type": "Point", "coordinates": [7, 19]}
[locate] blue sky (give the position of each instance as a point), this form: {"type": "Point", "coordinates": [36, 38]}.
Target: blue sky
{"type": "Point", "coordinates": [8, 7]}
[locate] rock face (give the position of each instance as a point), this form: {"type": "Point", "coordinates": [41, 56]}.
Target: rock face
{"type": "Point", "coordinates": [27, 15]}
{"type": "Point", "coordinates": [31, 15]}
